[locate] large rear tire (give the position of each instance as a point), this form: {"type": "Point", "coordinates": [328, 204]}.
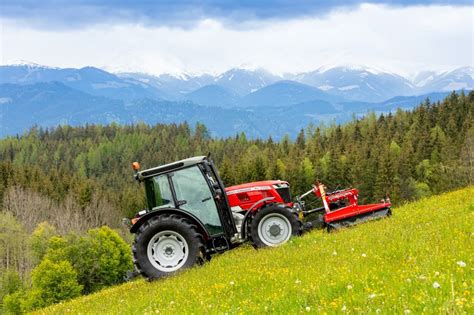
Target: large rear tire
{"type": "Point", "coordinates": [273, 226]}
{"type": "Point", "coordinates": [166, 244]}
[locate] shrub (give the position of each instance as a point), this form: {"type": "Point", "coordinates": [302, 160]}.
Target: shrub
{"type": "Point", "coordinates": [100, 258]}
{"type": "Point", "coordinates": [53, 282]}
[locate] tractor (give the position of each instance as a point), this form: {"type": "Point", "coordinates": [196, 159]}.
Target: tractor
{"type": "Point", "coordinates": [190, 215]}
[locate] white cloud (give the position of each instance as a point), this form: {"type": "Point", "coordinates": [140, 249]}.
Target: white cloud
{"type": "Point", "coordinates": [400, 39]}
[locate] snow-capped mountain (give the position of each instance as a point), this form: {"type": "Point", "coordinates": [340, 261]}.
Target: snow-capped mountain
{"type": "Point", "coordinates": [461, 78]}
{"type": "Point", "coordinates": [174, 86]}
{"type": "Point", "coordinates": [357, 83]}
{"type": "Point", "coordinates": [244, 87]}
{"type": "Point", "coordinates": [88, 79]}
{"type": "Point", "coordinates": [245, 81]}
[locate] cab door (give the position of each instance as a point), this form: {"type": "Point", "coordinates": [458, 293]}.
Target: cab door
{"type": "Point", "coordinates": [194, 195]}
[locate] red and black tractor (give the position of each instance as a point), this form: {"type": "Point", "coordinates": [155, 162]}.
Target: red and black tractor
{"type": "Point", "coordinates": [191, 215]}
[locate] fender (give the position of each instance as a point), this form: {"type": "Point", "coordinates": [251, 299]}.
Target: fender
{"type": "Point", "coordinates": [251, 210]}
{"type": "Point", "coordinates": [201, 228]}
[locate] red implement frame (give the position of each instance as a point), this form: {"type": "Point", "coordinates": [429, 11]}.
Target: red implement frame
{"type": "Point", "coordinates": [351, 210]}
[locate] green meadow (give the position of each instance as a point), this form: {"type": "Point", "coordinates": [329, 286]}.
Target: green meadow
{"type": "Point", "coordinates": [421, 260]}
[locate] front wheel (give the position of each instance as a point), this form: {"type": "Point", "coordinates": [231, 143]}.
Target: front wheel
{"type": "Point", "coordinates": [273, 226]}
{"type": "Point", "coordinates": [166, 244]}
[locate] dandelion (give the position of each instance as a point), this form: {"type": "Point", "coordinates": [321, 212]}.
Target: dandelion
{"type": "Point", "coordinates": [352, 249]}
{"type": "Point", "coordinates": [461, 264]}
{"type": "Point", "coordinates": [436, 285]}
{"type": "Point", "coordinates": [349, 287]}
{"type": "Point", "coordinates": [334, 253]}
{"type": "Point", "coordinates": [364, 255]}
{"type": "Point", "coordinates": [232, 283]}
{"type": "Point", "coordinates": [308, 308]}
{"type": "Point", "coordinates": [436, 273]}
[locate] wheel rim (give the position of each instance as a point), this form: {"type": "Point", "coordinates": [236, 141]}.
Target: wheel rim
{"type": "Point", "coordinates": [274, 229]}
{"type": "Point", "coordinates": [167, 251]}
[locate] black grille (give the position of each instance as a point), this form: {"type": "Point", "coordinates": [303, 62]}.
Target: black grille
{"type": "Point", "coordinates": [284, 194]}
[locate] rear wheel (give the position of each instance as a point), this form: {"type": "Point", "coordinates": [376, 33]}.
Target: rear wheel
{"type": "Point", "coordinates": [273, 226]}
{"type": "Point", "coordinates": [166, 244]}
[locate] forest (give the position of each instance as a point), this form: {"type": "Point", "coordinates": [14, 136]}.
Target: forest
{"type": "Point", "coordinates": [60, 186]}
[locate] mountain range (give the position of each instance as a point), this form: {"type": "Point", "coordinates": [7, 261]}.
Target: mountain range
{"type": "Point", "coordinates": [234, 101]}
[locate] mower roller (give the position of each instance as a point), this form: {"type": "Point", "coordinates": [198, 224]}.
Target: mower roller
{"type": "Point", "coordinates": [190, 215]}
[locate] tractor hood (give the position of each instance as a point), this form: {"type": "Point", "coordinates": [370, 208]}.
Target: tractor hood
{"type": "Point", "coordinates": [254, 186]}
{"type": "Point", "coordinates": [245, 196]}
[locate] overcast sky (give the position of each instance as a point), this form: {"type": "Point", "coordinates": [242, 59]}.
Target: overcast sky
{"type": "Point", "coordinates": [281, 36]}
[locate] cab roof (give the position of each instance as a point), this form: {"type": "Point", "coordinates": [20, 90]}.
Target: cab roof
{"type": "Point", "coordinates": [170, 167]}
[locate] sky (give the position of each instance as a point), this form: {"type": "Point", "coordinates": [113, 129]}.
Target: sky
{"type": "Point", "coordinates": [282, 36]}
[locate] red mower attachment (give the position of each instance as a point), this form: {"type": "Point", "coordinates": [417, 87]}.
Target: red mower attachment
{"type": "Point", "coordinates": [341, 208]}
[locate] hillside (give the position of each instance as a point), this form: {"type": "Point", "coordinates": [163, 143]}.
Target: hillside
{"type": "Point", "coordinates": [420, 260]}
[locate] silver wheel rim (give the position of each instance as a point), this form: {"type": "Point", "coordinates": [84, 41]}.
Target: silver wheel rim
{"type": "Point", "coordinates": [167, 251]}
{"type": "Point", "coordinates": [274, 229]}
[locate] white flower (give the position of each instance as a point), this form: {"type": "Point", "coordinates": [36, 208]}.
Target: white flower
{"type": "Point", "coordinates": [349, 287]}
{"type": "Point", "coordinates": [436, 273]}
{"type": "Point", "coordinates": [343, 308]}
{"type": "Point", "coordinates": [461, 264]}
{"type": "Point", "coordinates": [334, 253]}
{"type": "Point", "coordinates": [297, 281]}
{"type": "Point", "coordinates": [422, 277]}
{"type": "Point", "coordinates": [371, 296]}
{"type": "Point", "coordinates": [407, 311]}
{"type": "Point", "coordinates": [232, 283]}
{"type": "Point", "coordinates": [436, 285]}
{"type": "Point", "coordinates": [308, 308]}
{"type": "Point", "coordinates": [172, 302]}
{"type": "Point", "coordinates": [408, 280]}
{"type": "Point", "coordinates": [364, 255]}
{"type": "Point", "coordinates": [378, 311]}
{"type": "Point", "coordinates": [352, 249]}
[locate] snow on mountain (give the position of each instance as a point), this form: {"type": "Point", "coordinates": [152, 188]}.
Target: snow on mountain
{"type": "Point", "coordinates": [244, 81]}
{"type": "Point", "coordinates": [357, 82]}
{"type": "Point", "coordinates": [173, 86]}
{"type": "Point", "coordinates": [457, 79]}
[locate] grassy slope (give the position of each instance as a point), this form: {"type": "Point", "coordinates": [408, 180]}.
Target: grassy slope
{"type": "Point", "coordinates": [389, 265]}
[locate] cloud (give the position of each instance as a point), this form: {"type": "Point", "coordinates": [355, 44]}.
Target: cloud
{"type": "Point", "coordinates": [400, 39]}
{"type": "Point", "coordinates": [69, 14]}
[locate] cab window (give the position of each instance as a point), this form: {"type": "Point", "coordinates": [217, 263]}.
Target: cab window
{"type": "Point", "coordinates": [159, 192]}
{"type": "Point", "coordinates": [193, 195]}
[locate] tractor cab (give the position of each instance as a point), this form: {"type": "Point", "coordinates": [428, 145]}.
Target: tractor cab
{"type": "Point", "coordinates": [192, 188]}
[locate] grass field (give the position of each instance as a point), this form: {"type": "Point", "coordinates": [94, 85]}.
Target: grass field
{"type": "Point", "coordinates": [421, 260]}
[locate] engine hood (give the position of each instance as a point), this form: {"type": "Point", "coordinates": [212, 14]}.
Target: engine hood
{"type": "Point", "coordinates": [268, 184]}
